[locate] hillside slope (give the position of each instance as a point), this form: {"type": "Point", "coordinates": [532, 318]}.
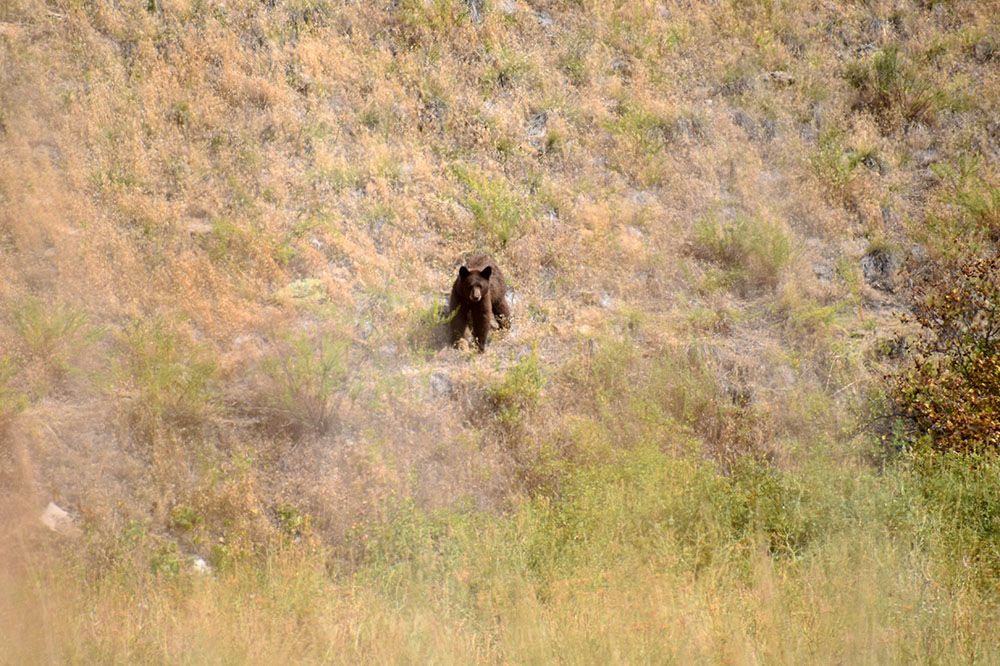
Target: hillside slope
{"type": "Point", "coordinates": [226, 232]}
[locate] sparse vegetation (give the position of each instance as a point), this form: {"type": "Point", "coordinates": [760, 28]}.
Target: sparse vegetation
{"type": "Point", "coordinates": [303, 380]}
{"type": "Point", "coordinates": [496, 211]}
{"type": "Point", "coordinates": [752, 252]}
{"type": "Point", "coordinates": [168, 381]}
{"type": "Point", "coordinates": [892, 89]}
{"type": "Point", "coordinates": [519, 390]}
{"type": "Point", "coordinates": [226, 235]}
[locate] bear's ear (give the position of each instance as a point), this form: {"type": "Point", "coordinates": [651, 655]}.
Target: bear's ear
{"type": "Point", "coordinates": [463, 272]}
{"type": "Point", "coordinates": [486, 272]}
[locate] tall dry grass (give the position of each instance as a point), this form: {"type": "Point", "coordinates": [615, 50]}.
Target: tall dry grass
{"type": "Point", "coordinates": [224, 235]}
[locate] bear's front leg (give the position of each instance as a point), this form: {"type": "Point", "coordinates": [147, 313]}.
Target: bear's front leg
{"type": "Point", "coordinates": [458, 324]}
{"type": "Point", "coordinates": [481, 327]}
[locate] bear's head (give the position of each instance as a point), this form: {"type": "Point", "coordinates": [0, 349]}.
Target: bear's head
{"type": "Point", "coordinates": [475, 285]}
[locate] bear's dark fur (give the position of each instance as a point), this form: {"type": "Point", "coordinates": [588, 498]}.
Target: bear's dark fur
{"type": "Point", "coordinates": [479, 291]}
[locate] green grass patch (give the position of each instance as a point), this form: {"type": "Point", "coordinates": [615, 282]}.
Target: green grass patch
{"type": "Point", "coordinates": [301, 382]}
{"type": "Point", "coordinates": [167, 379]}
{"type": "Point", "coordinates": [497, 211]}
{"type": "Point", "coordinates": [752, 252]}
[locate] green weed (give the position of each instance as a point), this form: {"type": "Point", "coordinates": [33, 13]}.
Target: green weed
{"type": "Point", "coordinates": [169, 381]}
{"type": "Point", "coordinates": [497, 212]}
{"type": "Point", "coordinates": [753, 252]}
{"type": "Point", "coordinates": [302, 382]}
{"type": "Point", "coordinates": [53, 336]}
{"type": "Point", "coordinates": [520, 389]}
{"type": "Point", "coordinates": [12, 398]}
{"type": "Point", "coordinates": [892, 88]}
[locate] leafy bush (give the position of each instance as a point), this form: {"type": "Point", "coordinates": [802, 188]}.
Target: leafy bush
{"type": "Point", "coordinates": [496, 210]}
{"type": "Point", "coordinates": [303, 378]}
{"type": "Point", "coordinates": [170, 381]}
{"type": "Point", "coordinates": [753, 252]}
{"type": "Point", "coordinates": [520, 389]}
{"type": "Point", "coordinates": [952, 393]}
{"type": "Point", "coordinates": [890, 88]}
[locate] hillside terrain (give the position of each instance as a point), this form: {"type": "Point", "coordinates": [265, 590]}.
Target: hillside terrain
{"type": "Point", "coordinates": [227, 235]}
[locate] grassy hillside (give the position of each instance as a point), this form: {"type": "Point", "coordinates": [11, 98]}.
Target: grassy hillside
{"type": "Point", "coordinates": [226, 234]}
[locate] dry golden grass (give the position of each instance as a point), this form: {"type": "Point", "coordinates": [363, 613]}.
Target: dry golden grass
{"type": "Point", "coordinates": [225, 231]}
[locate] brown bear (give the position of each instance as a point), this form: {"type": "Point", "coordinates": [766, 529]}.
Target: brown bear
{"type": "Point", "coordinates": [478, 292]}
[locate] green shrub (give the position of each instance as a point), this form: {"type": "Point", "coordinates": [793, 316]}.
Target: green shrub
{"type": "Point", "coordinates": [959, 491]}
{"type": "Point", "coordinates": [428, 330]}
{"type": "Point", "coordinates": [835, 164]}
{"type": "Point", "coordinates": [496, 211]}
{"type": "Point", "coordinates": [641, 139]}
{"type": "Point", "coordinates": [426, 21]}
{"type": "Point", "coordinates": [303, 380]}
{"type": "Point", "coordinates": [752, 252]}
{"type": "Point", "coordinates": [185, 518]}
{"type": "Point", "coordinates": [52, 336]}
{"type": "Point", "coordinates": [520, 389]}
{"type": "Point", "coordinates": [967, 217]}
{"type": "Point", "coordinates": [293, 522]}
{"type": "Point", "coordinates": [165, 560]}
{"type": "Point", "coordinates": [169, 380]}
{"type": "Point", "coordinates": [508, 69]}
{"type": "Point", "coordinates": [951, 394]}
{"type": "Point", "coordinates": [892, 89]}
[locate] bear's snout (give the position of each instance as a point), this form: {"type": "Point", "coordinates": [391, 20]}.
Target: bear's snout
{"type": "Point", "coordinates": [477, 294]}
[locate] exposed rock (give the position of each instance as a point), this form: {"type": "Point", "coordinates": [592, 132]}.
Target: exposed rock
{"type": "Point", "coordinates": [879, 29]}
{"type": "Point", "coordinates": [983, 51]}
{"type": "Point", "coordinates": [925, 158]}
{"type": "Point", "coordinates": [866, 49]}
{"type": "Point", "coordinates": [57, 520]}
{"type": "Point", "coordinates": [537, 122]}
{"type": "Point", "coordinates": [643, 198]}
{"type": "Point", "coordinates": [49, 150]}
{"type": "Point", "coordinates": [508, 7]}
{"type": "Point", "coordinates": [873, 163]}
{"type": "Point", "coordinates": [544, 19]}
{"type": "Point", "coordinates": [200, 566]}
{"type": "Point", "coordinates": [768, 128]}
{"type": "Point", "coordinates": [889, 217]}
{"type": "Point", "coordinates": [738, 86]}
{"type": "Point", "coordinates": [622, 68]}
{"type": "Point", "coordinates": [441, 385]}
{"type": "Point", "coordinates": [918, 252]}
{"type": "Point", "coordinates": [879, 267]}
{"type": "Point", "coordinates": [779, 77]}
{"type": "Point", "coordinates": [744, 121]}
{"type": "Point", "coordinates": [686, 129]}
{"type": "Point", "coordinates": [432, 114]}
{"type": "Point", "coordinates": [475, 10]}
{"type": "Point", "coordinates": [758, 131]}
{"type": "Point", "coordinates": [823, 272]}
